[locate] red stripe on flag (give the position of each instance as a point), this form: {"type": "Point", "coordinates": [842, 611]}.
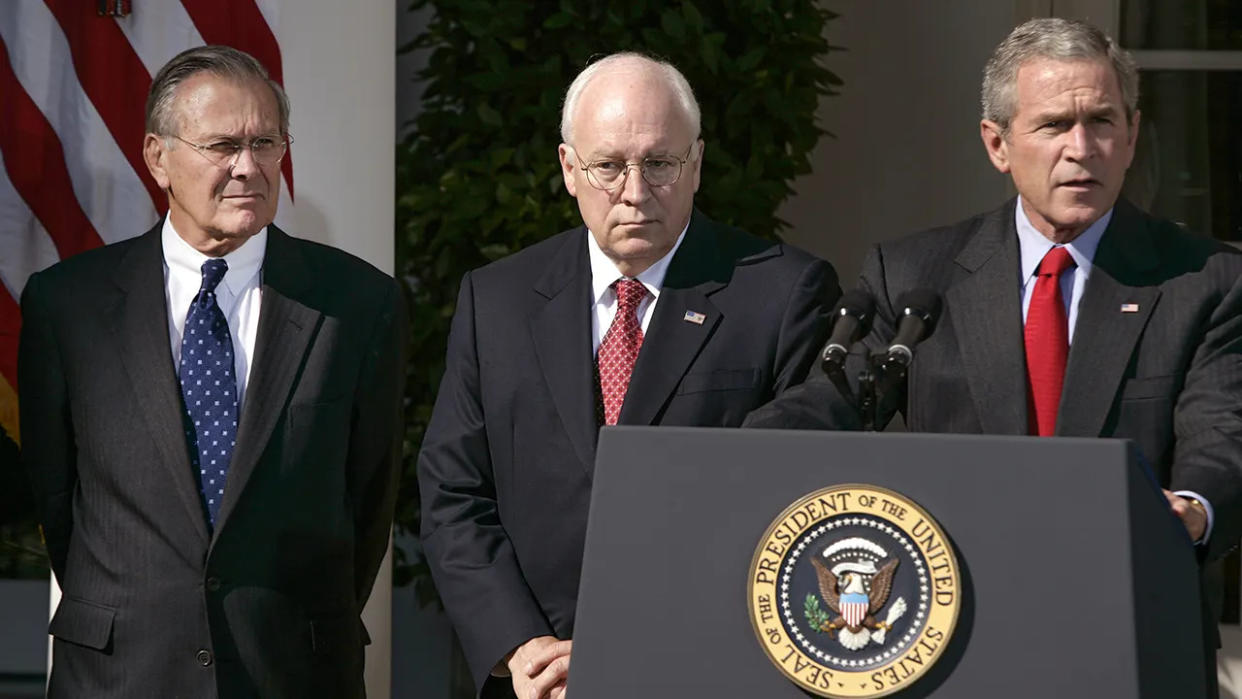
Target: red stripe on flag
{"type": "Point", "coordinates": [114, 79]}
{"type": "Point", "coordinates": [10, 329]}
{"type": "Point", "coordinates": [241, 25]}
{"type": "Point", "coordinates": [35, 162]}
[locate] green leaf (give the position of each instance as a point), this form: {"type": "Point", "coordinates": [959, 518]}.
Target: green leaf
{"type": "Point", "coordinates": [558, 20]}
{"type": "Point", "coordinates": [694, 18]}
{"type": "Point", "coordinates": [488, 115]}
{"type": "Point", "coordinates": [673, 24]}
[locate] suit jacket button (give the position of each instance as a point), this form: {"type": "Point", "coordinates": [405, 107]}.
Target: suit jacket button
{"type": "Point", "coordinates": [213, 584]}
{"type": "Point", "coordinates": [204, 657]}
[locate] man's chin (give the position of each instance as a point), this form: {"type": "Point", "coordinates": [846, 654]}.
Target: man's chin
{"type": "Point", "coordinates": [226, 240]}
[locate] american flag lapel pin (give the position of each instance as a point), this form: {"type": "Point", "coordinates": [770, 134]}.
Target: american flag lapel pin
{"type": "Point", "coordinates": [694, 317]}
{"type": "Point", "coordinates": [1129, 308]}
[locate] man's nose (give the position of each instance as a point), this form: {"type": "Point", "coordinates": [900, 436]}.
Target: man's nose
{"type": "Point", "coordinates": [634, 188]}
{"type": "Point", "coordinates": [1081, 143]}
{"type": "Point", "coordinates": [244, 164]}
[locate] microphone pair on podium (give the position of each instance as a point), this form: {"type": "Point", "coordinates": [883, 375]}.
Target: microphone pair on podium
{"type": "Point", "coordinates": [883, 372]}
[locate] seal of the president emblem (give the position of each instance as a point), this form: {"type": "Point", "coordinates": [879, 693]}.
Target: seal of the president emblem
{"type": "Point", "coordinates": [854, 591]}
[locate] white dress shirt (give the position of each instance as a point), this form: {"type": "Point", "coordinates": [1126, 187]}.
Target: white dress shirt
{"type": "Point", "coordinates": [238, 295]}
{"type": "Point", "coordinates": [1034, 246]}
{"type": "Point", "coordinates": [604, 298]}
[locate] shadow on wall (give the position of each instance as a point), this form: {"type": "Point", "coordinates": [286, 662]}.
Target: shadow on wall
{"type": "Point", "coordinates": [1229, 662]}
{"type": "Point", "coordinates": [23, 643]}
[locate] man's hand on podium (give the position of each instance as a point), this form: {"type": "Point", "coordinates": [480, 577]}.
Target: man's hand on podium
{"type": "Point", "coordinates": [1191, 512]}
{"type": "Point", "coordinates": [540, 668]}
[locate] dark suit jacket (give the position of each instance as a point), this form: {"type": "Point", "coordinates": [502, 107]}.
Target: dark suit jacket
{"type": "Point", "coordinates": [1168, 376]}
{"type": "Point", "coordinates": [505, 468]}
{"type": "Point", "coordinates": [267, 604]}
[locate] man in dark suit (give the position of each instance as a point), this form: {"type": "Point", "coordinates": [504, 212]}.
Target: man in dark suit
{"type": "Point", "coordinates": [1135, 331]}
{"type": "Point", "coordinates": [216, 486]}
{"type": "Point", "coordinates": [649, 314]}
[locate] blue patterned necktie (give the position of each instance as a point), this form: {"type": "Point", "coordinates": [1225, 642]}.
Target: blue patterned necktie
{"type": "Point", "coordinates": [209, 388]}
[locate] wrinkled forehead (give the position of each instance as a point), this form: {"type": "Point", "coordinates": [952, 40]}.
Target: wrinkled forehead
{"type": "Point", "coordinates": [630, 105]}
{"type": "Point", "coordinates": [209, 102]}
{"type": "Point", "coordinates": [1042, 78]}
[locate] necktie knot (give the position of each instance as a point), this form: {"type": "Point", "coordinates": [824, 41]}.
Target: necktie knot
{"type": "Point", "coordinates": [630, 292]}
{"type": "Point", "coordinates": [1055, 262]}
{"type": "Point", "coordinates": [213, 273]}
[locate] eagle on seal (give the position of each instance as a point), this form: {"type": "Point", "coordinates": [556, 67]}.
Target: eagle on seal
{"type": "Point", "coordinates": [845, 592]}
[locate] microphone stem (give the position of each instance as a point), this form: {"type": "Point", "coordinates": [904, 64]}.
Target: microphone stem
{"type": "Point", "coordinates": [866, 392]}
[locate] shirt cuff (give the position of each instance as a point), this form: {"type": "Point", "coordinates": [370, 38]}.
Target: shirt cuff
{"type": "Point", "coordinates": [1207, 510]}
{"type": "Point", "coordinates": [501, 668]}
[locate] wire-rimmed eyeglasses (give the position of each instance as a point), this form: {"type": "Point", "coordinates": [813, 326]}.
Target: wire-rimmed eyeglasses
{"type": "Point", "coordinates": [657, 170]}
{"type": "Point", "coordinates": [224, 152]}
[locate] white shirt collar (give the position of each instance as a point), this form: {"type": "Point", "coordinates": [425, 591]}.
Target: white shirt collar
{"type": "Point", "coordinates": [1034, 245]}
{"type": "Point", "coordinates": [604, 271]}
{"type": "Point", "coordinates": [244, 262]}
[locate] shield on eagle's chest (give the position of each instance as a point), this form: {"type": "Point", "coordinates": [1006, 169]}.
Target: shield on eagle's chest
{"type": "Point", "coordinates": [854, 608]}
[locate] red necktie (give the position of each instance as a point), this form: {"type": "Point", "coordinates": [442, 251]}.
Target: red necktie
{"type": "Point", "coordinates": [1047, 342]}
{"type": "Point", "coordinates": [619, 348]}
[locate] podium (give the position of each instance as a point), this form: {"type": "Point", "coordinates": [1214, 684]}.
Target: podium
{"type": "Point", "coordinates": [1075, 579]}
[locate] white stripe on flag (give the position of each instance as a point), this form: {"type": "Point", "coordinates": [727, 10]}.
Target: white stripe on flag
{"type": "Point", "coordinates": [25, 247]}
{"type": "Point", "coordinates": [270, 9]}
{"type": "Point", "coordinates": [158, 31]}
{"type": "Point", "coordinates": [106, 186]}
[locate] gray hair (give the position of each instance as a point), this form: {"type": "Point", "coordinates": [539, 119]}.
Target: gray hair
{"type": "Point", "coordinates": [222, 61]}
{"type": "Point", "coordinates": [1056, 39]}
{"type": "Point", "coordinates": [673, 77]}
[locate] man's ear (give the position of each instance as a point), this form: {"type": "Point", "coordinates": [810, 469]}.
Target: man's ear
{"type": "Point", "coordinates": [569, 163]}
{"type": "Point", "coordinates": [697, 167]}
{"type": "Point", "coordinates": [155, 155]}
{"type": "Point", "coordinates": [994, 141]}
{"type": "Point", "coordinates": [1132, 141]}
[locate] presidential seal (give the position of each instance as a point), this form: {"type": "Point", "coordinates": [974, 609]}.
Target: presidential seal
{"type": "Point", "coordinates": [854, 592]}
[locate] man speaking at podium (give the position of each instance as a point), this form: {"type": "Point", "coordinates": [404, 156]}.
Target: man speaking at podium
{"type": "Point", "coordinates": [1068, 311]}
{"type": "Point", "coordinates": [650, 314]}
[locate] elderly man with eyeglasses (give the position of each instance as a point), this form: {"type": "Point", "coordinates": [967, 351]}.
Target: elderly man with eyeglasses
{"type": "Point", "coordinates": [648, 314]}
{"type": "Point", "coordinates": [211, 422]}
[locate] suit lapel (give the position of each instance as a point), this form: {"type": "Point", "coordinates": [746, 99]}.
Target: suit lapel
{"type": "Point", "coordinates": [1105, 337]}
{"type": "Point", "coordinates": [287, 322]}
{"type": "Point", "coordinates": [141, 319]}
{"type": "Point", "coordinates": [986, 315]}
{"type": "Point", "coordinates": [561, 332]}
{"type": "Point", "coordinates": [671, 342]}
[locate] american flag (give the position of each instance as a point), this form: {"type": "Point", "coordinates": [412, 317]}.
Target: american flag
{"type": "Point", "coordinates": [74, 76]}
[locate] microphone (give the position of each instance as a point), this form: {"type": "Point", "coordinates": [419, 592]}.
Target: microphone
{"type": "Point", "coordinates": [852, 322]}
{"type": "Point", "coordinates": [920, 309]}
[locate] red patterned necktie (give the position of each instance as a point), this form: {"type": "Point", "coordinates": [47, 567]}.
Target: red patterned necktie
{"type": "Point", "coordinates": [619, 348]}
{"type": "Point", "coordinates": [1047, 342]}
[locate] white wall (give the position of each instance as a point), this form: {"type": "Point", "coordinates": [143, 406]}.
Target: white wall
{"type": "Point", "coordinates": [907, 153]}
{"type": "Point", "coordinates": [339, 73]}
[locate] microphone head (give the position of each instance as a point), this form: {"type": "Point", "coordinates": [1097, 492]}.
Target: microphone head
{"type": "Point", "coordinates": [923, 303]}
{"type": "Point", "coordinates": [859, 305]}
